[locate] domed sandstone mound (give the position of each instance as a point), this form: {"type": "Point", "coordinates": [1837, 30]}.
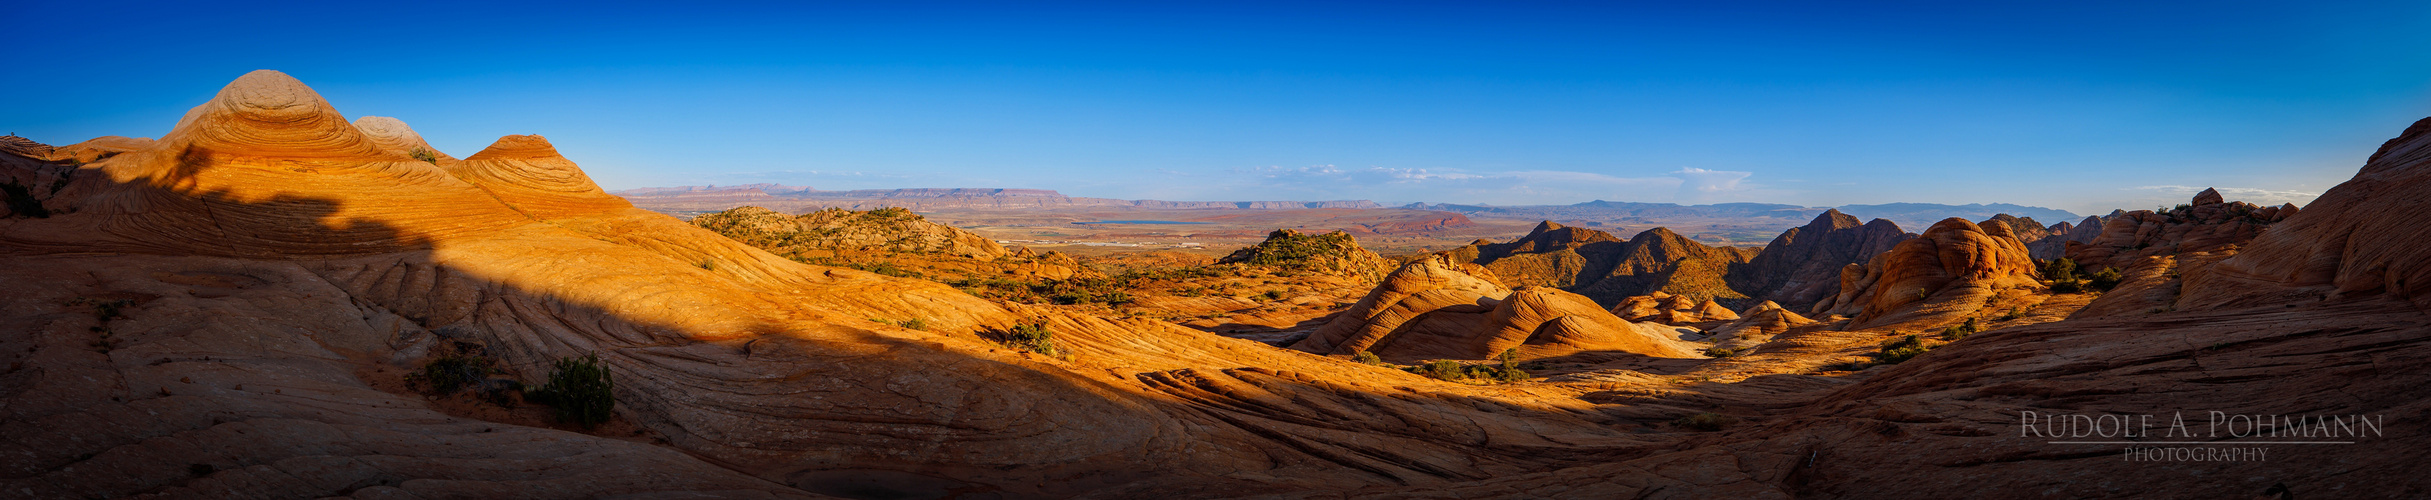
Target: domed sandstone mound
{"type": "Point", "coordinates": [1762, 322]}
{"type": "Point", "coordinates": [394, 135]}
{"type": "Point", "coordinates": [1419, 287]}
{"type": "Point", "coordinates": [1943, 275]}
{"type": "Point", "coordinates": [1671, 309]}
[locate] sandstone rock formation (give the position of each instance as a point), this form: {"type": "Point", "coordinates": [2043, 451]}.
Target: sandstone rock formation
{"type": "Point", "coordinates": [1438, 308]}
{"type": "Point", "coordinates": [1602, 267]}
{"type": "Point", "coordinates": [2056, 244]}
{"type": "Point", "coordinates": [2359, 239]}
{"type": "Point", "coordinates": [2206, 225]}
{"type": "Point", "coordinates": [1947, 273]}
{"type": "Point", "coordinates": [1761, 323]}
{"type": "Point", "coordinates": [1802, 266]}
{"type": "Point", "coordinates": [1417, 288]}
{"type": "Point", "coordinates": [1671, 309]}
{"type": "Point", "coordinates": [231, 312]}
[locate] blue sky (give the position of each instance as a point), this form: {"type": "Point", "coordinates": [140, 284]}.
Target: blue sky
{"type": "Point", "coordinates": [2081, 106]}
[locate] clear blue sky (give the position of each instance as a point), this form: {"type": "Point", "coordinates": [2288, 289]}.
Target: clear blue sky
{"type": "Point", "coordinates": [2081, 106]}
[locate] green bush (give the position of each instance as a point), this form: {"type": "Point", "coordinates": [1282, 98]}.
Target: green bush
{"type": "Point", "coordinates": [2105, 280]}
{"type": "Point", "coordinates": [1367, 357]}
{"type": "Point", "coordinates": [1508, 356]}
{"type": "Point", "coordinates": [1896, 351]}
{"type": "Point", "coordinates": [914, 323]}
{"type": "Point", "coordinates": [426, 155]}
{"type": "Point", "coordinates": [1456, 372]}
{"type": "Point", "coordinates": [581, 391]}
{"type": "Point", "coordinates": [1955, 332]}
{"type": "Point", "coordinates": [1721, 352]}
{"type": "Point", "coordinates": [451, 373]}
{"type": "Point", "coordinates": [2013, 314]}
{"type": "Point", "coordinates": [1706, 422]}
{"type": "Point", "coordinates": [1028, 337]}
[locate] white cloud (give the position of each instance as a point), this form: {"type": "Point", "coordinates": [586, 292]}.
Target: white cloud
{"type": "Point", "coordinates": [1699, 185]}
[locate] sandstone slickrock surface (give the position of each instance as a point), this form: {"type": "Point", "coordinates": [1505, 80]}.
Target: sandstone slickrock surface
{"type": "Point", "coordinates": [1951, 271]}
{"type": "Point", "coordinates": [1802, 266]}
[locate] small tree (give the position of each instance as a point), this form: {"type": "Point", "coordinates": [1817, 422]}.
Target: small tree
{"type": "Point", "coordinates": [1367, 358]}
{"type": "Point", "coordinates": [1508, 357]}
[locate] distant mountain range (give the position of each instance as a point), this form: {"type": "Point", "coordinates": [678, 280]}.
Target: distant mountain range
{"type": "Point", "coordinates": [1907, 215]}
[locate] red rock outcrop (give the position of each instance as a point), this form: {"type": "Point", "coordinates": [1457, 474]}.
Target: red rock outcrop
{"type": "Point", "coordinates": [1947, 273]}
{"type": "Point", "coordinates": [2359, 239]}
{"type": "Point", "coordinates": [1802, 266]}
{"type": "Point", "coordinates": [2206, 225]}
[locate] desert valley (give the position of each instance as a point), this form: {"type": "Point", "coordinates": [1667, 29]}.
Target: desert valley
{"type": "Point", "coordinates": [276, 301]}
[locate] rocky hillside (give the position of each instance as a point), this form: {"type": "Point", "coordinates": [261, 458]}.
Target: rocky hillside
{"type": "Point", "coordinates": [1802, 266]}
{"type": "Point", "coordinates": [1334, 253]}
{"type": "Point", "coordinates": [831, 232]}
{"type": "Point", "coordinates": [1604, 268]}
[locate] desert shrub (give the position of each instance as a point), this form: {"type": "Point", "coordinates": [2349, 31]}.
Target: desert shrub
{"type": "Point", "coordinates": [22, 202]}
{"type": "Point", "coordinates": [886, 268]}
{"type": "Point", "coordinates": [1443, 370]}
{"type": "Point", "coordinates": [1271, 295]}
{"type": "Point", "coordinates": [2060, 269]}
{"type": "Point", "coordinates": [1367, 357]}
{"type": "Point", "coordinates": [2105, 280]}
{"type": "Point", "coordinates": [1508, 356]}
{"type": "Point", "coordinates": [1500, 374]}
{"type": "Point", "coordinates": [426, 155]}
{"type": "Point", "coordinates": [1705, 422]}
{"type": "Point", "coordinates": [1027, 337]}
{"type": "Point", "coordinates": [1721, 352]}
{"type": "Point", "coordinates": [581, 391]}
{"type": "Point", "coordinates": [452, 372]}
{"type": "Point", "coordinates": [2012, 314]}
{"type": "Point", "coordinates": [1456, 372]}
{"type": "Point", "coordinates": [914, 323]}
{"type": "Point", "coordinates": [1895, 351]}
{"type": "Point", "coordinates": [1955, 332]}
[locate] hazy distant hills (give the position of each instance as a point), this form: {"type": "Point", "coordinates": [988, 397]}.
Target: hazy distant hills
{"type": "Point", "coordinates": [1906, 214]}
